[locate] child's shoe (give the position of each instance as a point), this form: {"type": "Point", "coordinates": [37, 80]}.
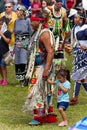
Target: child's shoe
{"type": "Point", "coordinates": [63, 123]}
{"type": "Point", "coordinates": [4, 83]}
{"type": "Point", "coordinates": [1, 81]}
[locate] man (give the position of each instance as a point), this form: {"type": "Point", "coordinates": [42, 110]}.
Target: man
{"type": "Point", "coordinates": [57, 23]}
{"type": "Point", "coordinates": [41, 51]}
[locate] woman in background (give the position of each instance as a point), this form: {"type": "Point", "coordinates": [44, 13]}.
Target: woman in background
{"type": "Point", "coordinates": [12, 16]}
{"type": "Point", "coordinates": [22, 30]}
{"type": "Point", "coordinates": [5, 37]}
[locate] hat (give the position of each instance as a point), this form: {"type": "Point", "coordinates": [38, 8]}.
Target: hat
{"type": "Point", "coordinates": [58, 1]}
{"type": "Point", "coordinates": [72, 12]}
{"type": "Point", "coordinates": [21, 8]}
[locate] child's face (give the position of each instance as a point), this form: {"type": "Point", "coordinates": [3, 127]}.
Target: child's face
{"type": "Point", "coordinates": [61, 78]}
{"type": "Point", "coordinates": [77, 20]}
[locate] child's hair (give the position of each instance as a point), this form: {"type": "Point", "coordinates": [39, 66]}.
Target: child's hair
{"type": "Point", "coordinates": [64, 73]}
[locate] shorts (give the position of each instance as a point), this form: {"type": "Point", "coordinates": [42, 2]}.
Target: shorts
{"type": "Point", "coordinates": [63, 105]}
{"type": "Point", "coordinates": [2, 63]}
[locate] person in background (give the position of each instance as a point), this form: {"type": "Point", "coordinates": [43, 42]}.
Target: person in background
{"type": "Point", "coordinates": [12, 16]}
{"type": "Point", "coordinates": [71, 17]}
{"type": "Point", "coordinates": [79, 74]}
{"type": "Point", "coordinates": [78, 3]}
{"type": "Point", "coordinates": [44, 5]}
{"type": "Point", "coordinates": [22, 31]}
{"type": "Point", "coordinates": [5, 37]}
{"type": "Point", "coordinates": [56, 24]}
{"type": "Point", "coordinates": [63, 86]}
{"type": "Point", "coordinates": [35, 6]}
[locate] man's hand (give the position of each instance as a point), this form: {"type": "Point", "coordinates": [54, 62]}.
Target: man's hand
{"type": "Point", "coordinates": [45, 75]}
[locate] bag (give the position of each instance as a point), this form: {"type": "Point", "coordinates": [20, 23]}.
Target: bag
{"type": "Point", "coordinates": [7, 58]}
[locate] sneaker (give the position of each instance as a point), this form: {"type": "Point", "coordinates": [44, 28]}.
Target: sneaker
{"type": "Point", "coordinates": [63, 123]}
{"type": "Point", "coordinates": [4, 83]}
{"type": "Point", "coordinates": [1, 81]}
{"type": "Point", "coordinates": [34, 122]}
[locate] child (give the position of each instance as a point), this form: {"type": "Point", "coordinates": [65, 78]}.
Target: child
{"type": "Point", "coordinates": [79, 20]}
{"type": "Point", "coordinates": [5, 37]}
{"type": "Point", "coordinates": [62, 96]}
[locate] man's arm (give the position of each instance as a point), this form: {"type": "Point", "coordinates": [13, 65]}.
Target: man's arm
{"type": "Point", "coordinates": [45, 37]}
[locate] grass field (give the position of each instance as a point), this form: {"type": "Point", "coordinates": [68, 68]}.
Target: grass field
{"type": "Point", "coordinates": [12, 99]}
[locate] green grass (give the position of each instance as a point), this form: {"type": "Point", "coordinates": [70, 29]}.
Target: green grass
{"type": "Point", "coordinates": [12, 99]}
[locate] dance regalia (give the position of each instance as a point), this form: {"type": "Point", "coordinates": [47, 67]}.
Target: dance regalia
{"type": "Point", "coordinates": [80, 61]}
{"type": "Point", "coordinates": [37, 99]}
{"type": "Point", "coordinates": [22, 35]}
{"type": "Point", "coordinates": [56, 25]}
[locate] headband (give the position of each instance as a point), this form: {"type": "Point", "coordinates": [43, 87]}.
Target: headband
{"type": "Point", "coordinates": [33, 18]}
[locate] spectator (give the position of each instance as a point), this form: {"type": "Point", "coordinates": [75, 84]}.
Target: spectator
{"type": "Point", "coordinates": [9, 13]}
{"type": "Point", "coordinates": [14, 3]}
{"type": "Point", "coordinates": [5, 37]}
{"type": "Point", "coordinates": [22, 30]}
{"type": "Point", "coordinates": [35, 6]}
{"type": "Point", "coordinates": [2, 6]}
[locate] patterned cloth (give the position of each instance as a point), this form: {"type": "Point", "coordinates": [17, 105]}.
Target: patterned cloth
{"type": "Point", "coordinates": [80, 61]}
{"type": "Point", "coordinates": [80, 64]}
{"type": "Point", "coordinates": [38, 90]}
{"type": "Point", "coordinates": [37, 96]}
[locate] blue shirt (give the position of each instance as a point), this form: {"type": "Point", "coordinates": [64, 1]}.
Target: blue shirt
{"type": "Point", "coordinates": [61, 96]}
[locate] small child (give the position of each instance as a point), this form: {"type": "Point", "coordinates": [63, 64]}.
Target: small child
{"type": "Point", "coordinates": [62, 95]}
